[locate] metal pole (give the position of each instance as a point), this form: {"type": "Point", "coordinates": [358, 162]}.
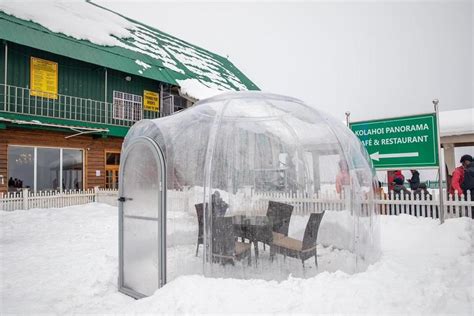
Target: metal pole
{"type": "Point", "coordinates": [348, 116]}
{"type": "Point", "coordinates": [5, 78]}
{"type": "Point", "coordinates": [440, 178]}
{"type": "Point", "coordinates": [60, 170]}
{"type": "Point", "coordinates": [160, 109]}
{"type": "Point", "coordinates": [105, 99]}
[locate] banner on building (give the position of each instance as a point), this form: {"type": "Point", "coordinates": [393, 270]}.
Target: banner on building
{"type": "Point", "coordinates": [43, 78]}
{"type": "Point", "coordinates": [151, 101]}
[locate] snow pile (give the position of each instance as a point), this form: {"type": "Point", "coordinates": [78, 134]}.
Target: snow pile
{"type": "Point", "coordinates": [456, 122]}
{"type": "Point", "coordinates": [65, 261]}
{"type": "Point", "coordinates": [195, 89]}
{"type": "Point", "coordinates": [87, 21]}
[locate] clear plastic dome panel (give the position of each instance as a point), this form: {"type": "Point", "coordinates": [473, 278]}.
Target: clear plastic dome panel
{"type": "Point", "coordinates": [263, 186]}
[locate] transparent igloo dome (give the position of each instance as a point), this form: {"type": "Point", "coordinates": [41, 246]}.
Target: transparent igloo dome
{"type": "Point", "coordinates": [244, 185]}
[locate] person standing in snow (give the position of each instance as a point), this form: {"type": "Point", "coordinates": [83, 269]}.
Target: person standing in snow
{"type": "Point", "coordinates": [399, 188]}
{"type": "Point", "coordinates": [342, 178]}
{"type": "Point", "coordinates": [422, 193]}
{"type": "Point", "coordinates": [458, 175]}
{"type": "Point", "coordinates": [468, 184]}
{"type": "Point", "coordinates": [399, 192]}
{"type": "Point", "coordinates": [414, 180]}
{"type": "Point", "coordinates": [391, 176]}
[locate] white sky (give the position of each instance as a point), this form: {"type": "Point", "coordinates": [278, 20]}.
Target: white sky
{"type": "Point", "coordinates": [375, 59]}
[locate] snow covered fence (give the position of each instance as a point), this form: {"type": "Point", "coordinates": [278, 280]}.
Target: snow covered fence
{"type": "Point", "coordinates": [184, 200]}
{"type": "Point", "coordinates": [303, 203]}
{"type": "Point", "coordinates": [388, 204]}
{"type": "Point", "coordinates": [426, 205]}
{"type": "Point", "coordinates": [25, 199]}
{"type": "Point", "coordinates": [107, 196]}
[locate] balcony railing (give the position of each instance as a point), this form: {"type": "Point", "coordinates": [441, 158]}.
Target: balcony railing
{"type": "Point", "coordinates": [20, 100]}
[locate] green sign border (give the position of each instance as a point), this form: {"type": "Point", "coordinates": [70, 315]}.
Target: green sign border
{"type": "Point", "coordinates": [392, 166]}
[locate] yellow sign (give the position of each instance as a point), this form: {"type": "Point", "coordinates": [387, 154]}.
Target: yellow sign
{"type": "Point", "coordinates": [43, 78]}
{"type": "Point", "coordinates": [151, 101]}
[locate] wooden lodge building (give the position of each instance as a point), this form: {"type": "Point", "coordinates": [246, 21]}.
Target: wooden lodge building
{"type": "Point", "coordinates": [67, 103]}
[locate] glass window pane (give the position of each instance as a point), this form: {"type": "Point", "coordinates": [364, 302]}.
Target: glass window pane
{"type": "Point", "coordinates": [20, 167]}
{"type": "Point", "coordinates": [112, 158]}
{"type": "Point", "coordinates": [47, 166]}
{"type": "Point", "coordinates": [72, 169]}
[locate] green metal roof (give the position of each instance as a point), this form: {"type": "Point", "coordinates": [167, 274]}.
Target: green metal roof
{"type": "Point", "coordinates": [176, 59]}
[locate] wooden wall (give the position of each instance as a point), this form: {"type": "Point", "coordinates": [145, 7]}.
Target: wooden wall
{"type": "Point", "coordinates": [94, 150]}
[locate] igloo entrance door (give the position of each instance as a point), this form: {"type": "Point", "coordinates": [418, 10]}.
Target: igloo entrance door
{"type": "Point", "coordinates": [142, 206]}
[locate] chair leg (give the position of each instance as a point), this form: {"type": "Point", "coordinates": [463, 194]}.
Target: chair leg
{"type": "Point", "coordinates": [302, 261]}
{"type": "Point", "coordinates": [316, 258]}
{"type": "Point", "coordinates": [197, 249]}
{"type": "Point", "coordinates": [263, 246]}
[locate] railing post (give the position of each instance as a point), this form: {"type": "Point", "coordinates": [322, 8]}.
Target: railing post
{"type": "Point", "coordinates": [25, 193]}
{"type": "Point", "coordinates": [5, 78]}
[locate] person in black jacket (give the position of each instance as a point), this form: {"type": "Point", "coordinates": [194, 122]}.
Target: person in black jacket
{"type": "Point", "coordinates": [414, 180]}
{"type": "Point", "coordinates": [423, 193]}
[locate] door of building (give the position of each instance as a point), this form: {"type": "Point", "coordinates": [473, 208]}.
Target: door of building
{"type": "Point", "coordinates": [112, 164]}
{"type": "Point", "coordinates": [142, 205]}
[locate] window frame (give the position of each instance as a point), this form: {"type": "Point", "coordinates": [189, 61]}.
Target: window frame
{"type": "Point", "coordinates": [127, 106]}
{"type": "Point", "coordinates": [35, 164]}
{"type": "Point", "coordinates": [113, 168]}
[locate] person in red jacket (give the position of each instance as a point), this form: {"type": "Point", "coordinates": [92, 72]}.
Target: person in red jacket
{"type": "Point", "coordinates": [458, 175]}
{"type": "Point", "coordinates": [342, 178]}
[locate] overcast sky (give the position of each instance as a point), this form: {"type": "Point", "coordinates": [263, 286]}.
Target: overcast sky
{"type": "Point", "coordinates": [375, 59]}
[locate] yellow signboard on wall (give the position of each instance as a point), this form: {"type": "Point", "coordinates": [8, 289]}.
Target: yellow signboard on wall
{"type": "Point", "coordinates": [43, 78]}
{"type": "Point", "coordinates": [151, 101]}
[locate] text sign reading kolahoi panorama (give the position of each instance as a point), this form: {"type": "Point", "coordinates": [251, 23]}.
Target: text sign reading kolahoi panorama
{"type": "Point", "coordinates": [404, 142]}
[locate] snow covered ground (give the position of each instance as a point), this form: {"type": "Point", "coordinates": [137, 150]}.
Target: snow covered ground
{"type": "Point", "coordinates": [65, 261]}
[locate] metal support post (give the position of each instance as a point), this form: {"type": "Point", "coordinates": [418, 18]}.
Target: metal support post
{"type": "Point", "coordinates": [160, 108]}
{"type": "Point", "coordinates": [5, 79]}
{"type": "Point", "coordinates": [348, 118]}
{"type": "Point", "coordinates": [106, 106]}
{"type": "Point", "coordinates": [440, 168]}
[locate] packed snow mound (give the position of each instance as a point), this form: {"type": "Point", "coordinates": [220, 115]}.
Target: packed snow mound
{"type": "Point", "coordinates": [86, 21]}
{"type": "Point", "coordinates": [65, 261]}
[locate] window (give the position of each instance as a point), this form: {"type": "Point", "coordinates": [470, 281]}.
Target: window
{"type": "Point", "coordinates": [20, 167]}
{"type": "Point", "coordinates": [72, 169]}
{"type": "Point", "coordinates": [127, 106]}
{"type": "Point", "coordinates": [112, 164]}
{"type": "Point", "coordinates": [47, 169]}
{"type": "Point", "coordinates": [42, 169]}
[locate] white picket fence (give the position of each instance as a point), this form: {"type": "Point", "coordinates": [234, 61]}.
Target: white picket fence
{"type": "Point", "coordinates": [25, 199]}
{"type": "Point", "coordinates": [184, 200]}
{"type": "Point", "coordinates": [387, 204]}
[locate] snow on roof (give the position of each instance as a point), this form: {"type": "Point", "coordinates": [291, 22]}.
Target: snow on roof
{"type": "Point", "coordinates": [194, 89]}
{"type": "Point", "coordinates": [456, 122]}
{"type": "Point", "coordinates": [87, 21]}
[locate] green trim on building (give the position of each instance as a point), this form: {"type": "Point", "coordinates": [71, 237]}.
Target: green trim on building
{"type": "Point", "coordinates": [82, 69]}
{"type": "Point", "coordinates": [124, 59]}
{"type": "Point", "coordinates": [117, 131]}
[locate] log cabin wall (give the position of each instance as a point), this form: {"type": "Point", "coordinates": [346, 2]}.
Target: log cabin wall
{"type": "Point", "coordinates": [93, 148]}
